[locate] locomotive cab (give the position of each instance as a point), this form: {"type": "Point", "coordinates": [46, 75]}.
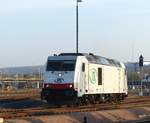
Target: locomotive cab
{"type": "Point", "coordinates": [59, 78]}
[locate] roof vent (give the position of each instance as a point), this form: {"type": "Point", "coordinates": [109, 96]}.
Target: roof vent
{"type": "Point", "coordinates": [71, 54]}
{"type": "Point", "coordinates": [91, 54]}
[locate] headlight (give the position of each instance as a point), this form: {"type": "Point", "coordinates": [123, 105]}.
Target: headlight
{"type": "Point", "coordinates": [70, 86]}
{"type": "Point", "coordinates": [59, 74]}
{"type": "Point", "coordinates": [47, 85]}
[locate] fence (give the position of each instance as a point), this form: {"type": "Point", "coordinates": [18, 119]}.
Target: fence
{"type": "Point", "coordinates": [137, 87]}
{"type": "Point", "coordinates": [21, 85]}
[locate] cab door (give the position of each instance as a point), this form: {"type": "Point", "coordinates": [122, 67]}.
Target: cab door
{"type": "Point", "coordinates": [82, 79]}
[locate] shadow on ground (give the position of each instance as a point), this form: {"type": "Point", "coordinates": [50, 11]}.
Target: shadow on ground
{"type": "Point", "coordinates": [21, 104]}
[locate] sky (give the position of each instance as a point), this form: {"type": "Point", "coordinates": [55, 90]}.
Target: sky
{"type": "Point", "coordinates": [31, 30]}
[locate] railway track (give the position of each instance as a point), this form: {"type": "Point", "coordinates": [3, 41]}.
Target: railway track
{"type": "Point", "coordinates": [46, 109]}
{"type": "Point", "coordinates": [6, 97]}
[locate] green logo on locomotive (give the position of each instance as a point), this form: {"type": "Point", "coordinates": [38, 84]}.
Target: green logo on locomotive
{"type": "Point", "coordinates": [93, 76]}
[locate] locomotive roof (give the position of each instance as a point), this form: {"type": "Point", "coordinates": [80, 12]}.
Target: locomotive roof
{"type": "Point", "coordinates": [103, 60]}
{"type": "Point", "coordinates": [90, 57]}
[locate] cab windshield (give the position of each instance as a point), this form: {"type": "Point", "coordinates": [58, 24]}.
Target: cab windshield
{"type": "Point", "coordinates": [59, 65]}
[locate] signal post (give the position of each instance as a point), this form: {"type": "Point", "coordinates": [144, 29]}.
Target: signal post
{"type": "Point", "coordinates": [141, 59]}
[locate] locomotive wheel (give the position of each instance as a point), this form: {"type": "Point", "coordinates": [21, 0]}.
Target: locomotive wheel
{"type": "Point", "coordinates": [102, 99]}
{"type": "Point", "coordinates": [122, 96]}
{"type": "Point", "coordinates": [92, 99]}
{"type": "Point", "coordinates": [85, 100]}
{"type": "Point", "coordinates": [77, 102]}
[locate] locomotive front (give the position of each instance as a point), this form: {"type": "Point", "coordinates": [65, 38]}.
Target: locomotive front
{"type": "Point", "coordinates": [59, 79]}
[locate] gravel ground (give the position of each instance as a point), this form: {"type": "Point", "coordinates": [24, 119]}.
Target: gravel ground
{"type": "Point", "coordinates": [107, 116]}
